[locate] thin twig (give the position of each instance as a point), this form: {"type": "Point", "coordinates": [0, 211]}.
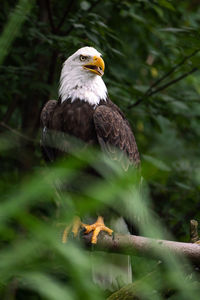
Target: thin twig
{"type": "Point", "coordinates": [171, 71]}
{"type": "Point", "coordinates": [2, 124]}
{"type": "Point", "coordinates": [149, 93]}
{"type": "Point", "coordinates": [164, 86]}
{"type": "Point", "coordinates": [173, 81]}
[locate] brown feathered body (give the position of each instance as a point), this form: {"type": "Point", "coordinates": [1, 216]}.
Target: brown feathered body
{"type": "Point", "coordinates": [104, 125]}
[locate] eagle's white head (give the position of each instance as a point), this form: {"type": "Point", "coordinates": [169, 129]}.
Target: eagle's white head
{"type": "Point", "coordinates": [81, 77]}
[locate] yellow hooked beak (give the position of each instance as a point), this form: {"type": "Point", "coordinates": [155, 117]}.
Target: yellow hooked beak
{"type": "Point", "coordinates": [97, 66]}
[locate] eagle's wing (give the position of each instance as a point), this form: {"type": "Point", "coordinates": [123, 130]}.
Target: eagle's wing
{"type": "Point", "coordinates": [46, 136]}
{"type": "Point", "coordinates": [115, 136]}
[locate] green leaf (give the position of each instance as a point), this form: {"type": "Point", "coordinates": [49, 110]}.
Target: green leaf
{"type": "Point", "coordinates": [156, 162]}
{"type": "Point", "coordinates": [173, 29]}
{"type": "Point", "coordinates": [47, 286]}
{"type": "Point", "coordinates": [166, 4]}
{"type": "Point", "coordinates": [12, 28]}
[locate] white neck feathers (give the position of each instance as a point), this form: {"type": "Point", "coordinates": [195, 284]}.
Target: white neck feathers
{"type": "Point", "coordinates": [78, 83]}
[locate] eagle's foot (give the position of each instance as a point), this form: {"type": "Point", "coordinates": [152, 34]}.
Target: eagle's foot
{"type": "Point", "coordinates": [96, 228]}
{"type": "Point", "coordinates": [73, 227]}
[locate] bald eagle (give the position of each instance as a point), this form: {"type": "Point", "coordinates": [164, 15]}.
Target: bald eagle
{"type": "Point", "coordinates": [85, 111]}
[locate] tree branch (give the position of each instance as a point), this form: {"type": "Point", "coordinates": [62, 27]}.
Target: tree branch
{"type": "Point", "coordinates": [142, 246]}
{"type": "Point", "coordinates": [17, 133]}
{"type": "Point", "coordinates": [134, 289]}
{"type": "Point", "coordinates": [171, 71]}
{"type": "Point", "coordinates": [164, 86]}
{"type": "Point", "coordinates": [173, 81]}
{"type": "Point", "coordinates": [149, 91]}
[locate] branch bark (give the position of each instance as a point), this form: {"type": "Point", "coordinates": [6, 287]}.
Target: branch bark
{"type": "Point", "coordinates": [143, 246]}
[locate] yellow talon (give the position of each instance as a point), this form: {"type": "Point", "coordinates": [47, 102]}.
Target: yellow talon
{"type": "Point", "coordinates": [96, 228]}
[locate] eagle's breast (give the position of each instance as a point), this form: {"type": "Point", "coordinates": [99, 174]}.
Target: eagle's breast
{"type": "Point", "coordinates": [76, 119]}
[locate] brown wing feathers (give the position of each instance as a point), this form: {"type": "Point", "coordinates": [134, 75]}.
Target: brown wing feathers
{"type": "Point", "coordinates": [47, 112]}
{"type": "Point", "coordinates": [114, 134]}
{"type": "Point", "coordinates": [46, 136]}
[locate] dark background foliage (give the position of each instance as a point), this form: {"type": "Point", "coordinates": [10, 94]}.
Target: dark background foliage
{"type": "Point", "coordinates": [151, 50]}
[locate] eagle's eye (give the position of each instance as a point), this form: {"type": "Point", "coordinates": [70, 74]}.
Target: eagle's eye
{"type": "Point", "coordinates": [82, 57]}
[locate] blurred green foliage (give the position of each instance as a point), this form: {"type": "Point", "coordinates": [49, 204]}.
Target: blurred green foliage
{"type": "Point", "coordinates": [141, 41]}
